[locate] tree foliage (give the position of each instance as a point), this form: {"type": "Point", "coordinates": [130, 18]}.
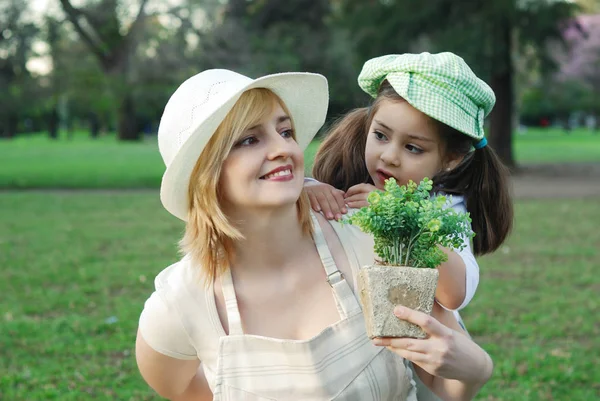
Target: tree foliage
{"type": "Point", "coordinates": [487, 34]}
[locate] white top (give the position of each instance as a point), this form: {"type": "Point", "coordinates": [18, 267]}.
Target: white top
{"type": "Point", "coordinates": [180, 320]}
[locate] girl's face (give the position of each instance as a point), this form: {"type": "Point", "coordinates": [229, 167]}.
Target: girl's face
{"type": "Point", "coordinates": [265, 168]}
{"type": "Point", "coordinates": [403, 143]}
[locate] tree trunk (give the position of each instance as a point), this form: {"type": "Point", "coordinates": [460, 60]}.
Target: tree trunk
{"type": "Point", "coordinates": [94, 126]}
{"type": "Point", "coordinates": [501, 118]}
{"type": "Point", "coordinates": [53, 124]}
{"type": "Point", "coordinates": [128, 127]}
{"type": "Point", "coordinates": [502, 83]}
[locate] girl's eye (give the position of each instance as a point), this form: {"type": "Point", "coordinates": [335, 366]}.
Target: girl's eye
{"type": "Point", "coordinates": [414, 149]}
{"type": "Point", "coordinates": [250, 140]}
{"type": "Point", "coordinates": [380, 136]}
{"type": "Point", "coordinates": [288, 133]}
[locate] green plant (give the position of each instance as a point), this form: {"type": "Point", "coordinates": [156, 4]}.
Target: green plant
{"type": "Point", "coordinates": [409, 225]}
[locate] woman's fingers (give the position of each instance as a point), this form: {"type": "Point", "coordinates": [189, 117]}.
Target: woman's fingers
{"type": "Point", "coordinates": [428, 323]}
{"type": "Point", "coordinates": [408, 344]}
{"type": "Point", "coordinates": [415, 357]}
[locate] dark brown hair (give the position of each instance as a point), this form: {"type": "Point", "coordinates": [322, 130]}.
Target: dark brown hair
{"type": "Point", "coordinates": [480, 177]}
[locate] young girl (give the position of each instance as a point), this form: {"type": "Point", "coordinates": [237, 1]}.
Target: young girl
{"type": "Point", "coordinates": [264, 298]}
{"type": "Point", "coordinates": [426, 121]}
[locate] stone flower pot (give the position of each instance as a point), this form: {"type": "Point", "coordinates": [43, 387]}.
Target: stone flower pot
{"type": "Point", "coordinates": [381, 288]}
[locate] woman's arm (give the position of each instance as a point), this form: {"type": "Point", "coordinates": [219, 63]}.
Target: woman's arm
{"type": "Point", "coordinates": [468, 367]}
{"type": "Point", "coordinates": [172, 378]}
{"type": "Point", "coordinates": [448, 362]}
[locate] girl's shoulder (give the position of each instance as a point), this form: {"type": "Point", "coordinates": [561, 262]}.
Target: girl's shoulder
{"type": "Point", "coordinates": [453, 201]}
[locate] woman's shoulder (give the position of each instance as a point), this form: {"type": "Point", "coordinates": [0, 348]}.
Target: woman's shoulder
{"type": "Point", "coordinates": [175, 276]}
{"type": "Point", "coordinates": [180, 288]}
{"type": "Point", "coordinates": [178, 313]}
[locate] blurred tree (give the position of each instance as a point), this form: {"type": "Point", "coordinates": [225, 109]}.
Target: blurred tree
{"type": "Point", "coordinates": [487, 34]}
{"type": "Point", "coordinates": [101, 25]}
{"type": "Point", "coordinates": [78, 90]}
{"type": "Point", "coordinates": [19, 89]}
{"type": "Point", "coordinates": [580, 63]}
{"type": "Point", "coordinates": [589, 6]}
{"type": "Point", "coordinates": [270, 36]}
{"type": "Point", "coordinates": [52, 38]}
{"type": "Point", "coordinates": [556, 100]}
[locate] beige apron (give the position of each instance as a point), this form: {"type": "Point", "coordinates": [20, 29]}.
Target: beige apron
{"type": "Point", "coordinates": [340, 363]}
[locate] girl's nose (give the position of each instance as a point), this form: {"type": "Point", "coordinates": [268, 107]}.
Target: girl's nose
{"type": "Point", "coordinates": [391, 157]}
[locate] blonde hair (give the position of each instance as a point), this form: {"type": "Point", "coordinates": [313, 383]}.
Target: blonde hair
{"type": "Point", "coordinates": [209, 235]}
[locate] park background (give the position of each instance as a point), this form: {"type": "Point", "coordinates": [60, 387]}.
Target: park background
{"type": "Point", "coordinates": [82, 231]}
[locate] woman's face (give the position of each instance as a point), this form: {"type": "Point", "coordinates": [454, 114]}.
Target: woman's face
{"type": "Point", "coordinates": [265, 168]}
{"type": "Point", "coordinates": [402, 143]}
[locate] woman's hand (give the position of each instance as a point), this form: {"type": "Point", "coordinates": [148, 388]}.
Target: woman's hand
{"type": "Point", "coordinates": [445, 353]}
{"type": "Point", "coordinates": [356, 196]}
{"type": "Point", "coordinates": [325, 198]}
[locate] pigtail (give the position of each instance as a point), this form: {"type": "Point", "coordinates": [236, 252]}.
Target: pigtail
{"type": "Point", "coordinates": [483, 180]}
{"type": "Point", "coordinates": [340, 160]}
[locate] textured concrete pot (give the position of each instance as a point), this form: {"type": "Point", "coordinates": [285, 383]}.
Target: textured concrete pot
{"type": "Point", "coordinates": [381, 288]}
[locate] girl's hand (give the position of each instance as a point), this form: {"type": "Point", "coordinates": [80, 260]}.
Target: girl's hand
{"type": "Point", "coordinates": [327, 199]}
{"type": "Point", "coordinates": [445, 353]}
{"type": "Point", "coordinates": [357, 195]}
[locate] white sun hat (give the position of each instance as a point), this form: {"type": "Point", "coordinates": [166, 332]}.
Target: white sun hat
{"type": "Point", "coordinates": [199, 105]}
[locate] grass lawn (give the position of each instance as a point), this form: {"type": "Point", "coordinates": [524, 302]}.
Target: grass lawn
{"type": "Point", "coordinates": [36, 162]}
{"type": "Point", "coordinates": [77, 268]}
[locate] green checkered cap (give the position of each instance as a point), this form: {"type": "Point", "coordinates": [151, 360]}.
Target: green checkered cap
{"type": "Point", "coordinates": [440, 85]}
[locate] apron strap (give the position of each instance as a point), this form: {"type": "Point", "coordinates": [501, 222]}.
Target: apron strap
{"type": "Point", "coordinates": [233, 313]}
{"type": "Point", "coordinates": [346, 302]}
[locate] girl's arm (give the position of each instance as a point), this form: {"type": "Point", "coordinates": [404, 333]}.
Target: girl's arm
{"type": "Point", "coordinates": [172, 378]}
{"type": "Point", "coordinates": [459, 276]}
{"type": "Point", "coordinates": [325, 198]}
{"type": "Point", "coordinates": [448, 362]}
{"type": "Point", "coordinates": [451, 287]}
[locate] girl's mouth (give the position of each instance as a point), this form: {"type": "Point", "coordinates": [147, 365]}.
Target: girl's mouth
{"type": "Point", "coordinates": [383, 175]}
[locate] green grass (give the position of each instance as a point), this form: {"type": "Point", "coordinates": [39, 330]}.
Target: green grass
{"type": "Point", "coordinates": [37, 162]}
{"type": "Point", "coordinates": [75, 262]}
{"type": "Point", "coordinates": [556, 146]}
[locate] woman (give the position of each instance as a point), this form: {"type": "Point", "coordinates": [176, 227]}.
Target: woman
{"type": "Point", "coordinates": [264, 294]}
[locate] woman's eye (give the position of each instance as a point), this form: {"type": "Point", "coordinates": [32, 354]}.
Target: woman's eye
{"type": "Point", "coordinates": [414, 149]}
{"type": "Point", "coordinates": [251, 140]}
{"type": "Point", "coordinates": [288, 133]}
{"type": "Point", "coordinates": [379, 136]}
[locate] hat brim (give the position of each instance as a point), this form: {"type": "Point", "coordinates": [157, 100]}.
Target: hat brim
{"type": "Point", "coordinates": [304, 94]}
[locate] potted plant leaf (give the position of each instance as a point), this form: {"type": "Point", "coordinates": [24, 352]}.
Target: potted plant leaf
{"type": "Point", "coordinates": [409, 226]}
